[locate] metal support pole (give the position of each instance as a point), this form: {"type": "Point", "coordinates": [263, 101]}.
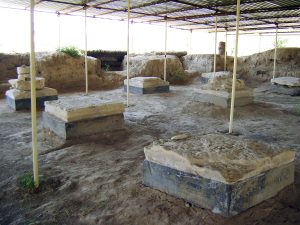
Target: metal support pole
{"type": "Point", "coordinates": [132, 34]}
{"type": "Point", "coordinates": [216, 39]}
{"type": "Point", "coordinates": [259, 47]}
{"type": "Point", "coordinates": [85, 55]}
{"type": "Point", "coordinates": [191, 40]}
{"type": "Point", "coordinates": [225, 55]}
{"type": "Point", "coordinates": [165, 61]}
{"type": "Point", "coordinates": [59, 31]}
{"type": "Point", "coordinates": [275, 52]}
{"type": "Point", "coordinates": [33, 97]}
{"type": "Point", "coordinates": [128, 33]}
{"type": "Point", "coordinates": [238, 4]}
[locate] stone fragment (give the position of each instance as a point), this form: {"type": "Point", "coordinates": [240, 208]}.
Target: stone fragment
{"type": "Point", "coordinates": [83, 107]}
{"type": "Point", "coordinates": [25, 77]}
{"type": "Point", "coordinates": [180, 137]}
{"type": "Point", "coordinates": [227, 174]}
{"type": "Point", "coordinates": [26, 85]}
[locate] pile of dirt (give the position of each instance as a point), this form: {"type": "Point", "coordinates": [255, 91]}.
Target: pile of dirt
{"type": "Point", "coordinates": [259, 66]}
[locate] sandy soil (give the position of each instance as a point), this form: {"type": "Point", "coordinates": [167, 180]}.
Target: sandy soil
{"type": "Point", "coordinates": [100, 181]}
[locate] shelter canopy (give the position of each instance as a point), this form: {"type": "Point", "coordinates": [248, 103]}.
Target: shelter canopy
{"type": "Point", "coordinates": [181, 14]}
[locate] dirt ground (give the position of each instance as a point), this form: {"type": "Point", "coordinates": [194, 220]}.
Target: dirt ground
{"type": "Point", "coordinates": [100, 181]}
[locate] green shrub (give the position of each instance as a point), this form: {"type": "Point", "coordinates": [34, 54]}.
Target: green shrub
{"type": "Point", "coordinates": [297, 109]}
{"type": "Point", "coordinates": [70, 50]}
{"type": "Point", "coordinates": [26, 181]}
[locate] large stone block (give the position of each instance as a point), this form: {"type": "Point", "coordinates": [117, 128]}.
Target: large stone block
{"type": "Point", "coordinates": [23, 70]}
{"type": "Point", "coordinates": [25, 85]}
{"type": "Point", "coordinates": [223, 98]}
{"type": "Point", "coordinates": [205, 77]}
{"type": "Point", "coordinates": [19, 100]}
{"type": "Point", "coordinates": [147, 85]}
{"type": "Point", "coordinates": [285, 90]}
{"type": "Point", "coordinates": [227, 174]}
{"type": "Point", "coordinates": [85, 127]}
{"type": "Point", "coordinates": [83, 107]}
{"type": "Point", "coordinates": [225, 199]}
{"type": "Point", "coordinates": [286, 81]}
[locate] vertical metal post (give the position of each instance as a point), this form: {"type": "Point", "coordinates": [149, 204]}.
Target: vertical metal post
{"type": "Point", "coordinates": [85, 55]}
{"type": "Point", "coordinates": [216, 39]}
{"type": "Point", "coordinates": [191, 40]}
{"type": "Point", "coordinates": [165, 61]}
{"type": "Point", "coordinates": [259, 47]}
{"type": "Point", "coordinates": [128, 33]}
{"type": "Point", "coordinates": [235, 64]}
{"type": "Point", "coordinates": [225, 55]}
{"type": "Point", "coordinates": [33, 97]}
{"type": "Point", "coordinates": [59, 30]}
{"type": "Point", "coordinates": [275, 52]}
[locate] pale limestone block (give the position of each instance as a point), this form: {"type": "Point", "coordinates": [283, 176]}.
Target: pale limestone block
{"type": "Point", "coordinates": [146, 82]}
{"type": "Point", "coordinates": [23, 70]}
{"type": "Point", "coordinates": [83, 107]}
{"type": "Point", "coordinates": [26, 85]}
{"type": "Point", "coordinates": [287, 81]}
{"type": "Point", "coordinates": [19, 94]}
{"type": "Point", "coordinates": [25, 77]}
{"type": "Point", "coordinates": [219, 157]}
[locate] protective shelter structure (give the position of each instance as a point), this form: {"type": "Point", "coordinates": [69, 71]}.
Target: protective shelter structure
{"type": "Point", "coordinates": [209, 15]}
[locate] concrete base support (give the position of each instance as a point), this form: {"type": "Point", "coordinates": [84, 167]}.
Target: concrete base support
{"type": "Point", "coordinates": [285, 90]}
{"type": "Point", "coordinates": [150, 90]}
{"type": "Point", "coordinates": [222, 198]}
{"type": "Point", "coordinates": [223, 98]}
{"type": "Point", "coordinates": [80, 128]}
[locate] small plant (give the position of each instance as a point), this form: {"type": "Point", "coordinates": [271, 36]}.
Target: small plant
{"type": "Point", "coordinates": [70, 50]}
{"type": "Point", "coordinates": [281, 43]}
{"type": "Point", "coordinates": [26, 181]}
{"type": "Point", "coordinates": [297, 109]}
{"type": "Point", "coordinates": [106, 67]}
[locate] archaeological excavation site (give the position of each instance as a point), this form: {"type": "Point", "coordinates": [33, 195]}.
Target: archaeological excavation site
{"type": "Point", "coordinates": [171, 136]}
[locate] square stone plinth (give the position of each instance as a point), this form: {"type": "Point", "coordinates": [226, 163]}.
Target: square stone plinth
{"type": "Point", "coordinates": [81, 128]}
{"type": "Point", "coordinates": [77, 108]}
{"type": "Point", "coordinates": [223, 98]}
{"type": "Point", "coordinates": [147, 85]}
{"type": "Point", "coordinates": [19, 100]}
{"type": "Point", "coordinates": [205, 77]}
{"type": "Point", "coordinates": [223, 173]}
{"type": "Point", "coordinates": [287, 81]}
{"type": "Point", "coordinates": [25, 85]}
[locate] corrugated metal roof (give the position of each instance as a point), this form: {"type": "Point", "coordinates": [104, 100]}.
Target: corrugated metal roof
{"type": "Point", "coordinates": [183, 14]}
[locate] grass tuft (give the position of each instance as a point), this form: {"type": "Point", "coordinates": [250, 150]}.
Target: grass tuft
{"type": "Point", "coordinates": [70, 50]}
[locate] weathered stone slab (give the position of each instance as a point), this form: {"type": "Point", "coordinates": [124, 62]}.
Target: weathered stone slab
{"type": "Point", "coordinates": [19, 100]}
{"type": "Point", "coordinates": [205, 77]}
{"type": "Point", "coordinates": [223, 98]}
{"type": "Point", "coordinates": [146, 82]}
{"type": "Point", "coordinates": [147, 85]}
{"type": "Point", "coordinates": [25, 77]}
{"type": "Point", "coordinates": [85, 127]}
{"type": "Point", "coordinates": [224, 173]}
{"type": "Point", "coordinates": [83, 107]}
{"type": "Point", "coordinates": [286, 81]}
{"type": "Point", "coordinates": [25, 85]}
{"type": "Point", "coordinates": [285, 90]}
{"type": "Point", "coordinates": [153, 90]}
{"type": "Point", "coordinates": [225, 199]}
{"type": "Point", "coordinates": [23, 69]}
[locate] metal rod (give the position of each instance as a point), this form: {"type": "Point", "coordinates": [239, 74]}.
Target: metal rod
{"type": "Point", "coordinates": [238, 4]}
{"type": "Point", "coordinates": [275, 52]}
{"type": "Point", "coordinates": [33, 97]}
{"type": "Point", "coordinates": [165, 60]}
{"type": "Point", "coordinates": [225, 55]}
{"type": "Point", "coordinates": [191, 40]}
{"type": "Point", "coordinates": [85, 55]}
{"type": "Point", "coordinates": [216, 39]}
{"type": "Point", "coordinates": [128, 33]}
{"type": "Point", "coordinates": [259, 47]}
